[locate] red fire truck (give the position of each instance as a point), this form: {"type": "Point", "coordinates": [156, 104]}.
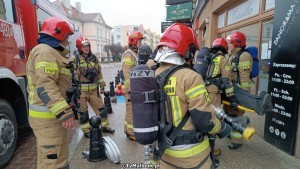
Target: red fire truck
{"type": "Point", "coordinates": [20, 21]}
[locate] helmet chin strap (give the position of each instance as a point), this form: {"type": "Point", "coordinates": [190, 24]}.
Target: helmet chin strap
{"type": "Point", "coordinates": [84, 54]}
{"type": "Point", "coordinates": [134, 48]}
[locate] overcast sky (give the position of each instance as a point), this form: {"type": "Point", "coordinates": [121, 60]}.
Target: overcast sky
{"type": "Point", "coordinates": [149, 13]}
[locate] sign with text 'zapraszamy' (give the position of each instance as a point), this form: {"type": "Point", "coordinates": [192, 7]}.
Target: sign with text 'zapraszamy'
{"type": "Point", "coordinates": [281, 123]}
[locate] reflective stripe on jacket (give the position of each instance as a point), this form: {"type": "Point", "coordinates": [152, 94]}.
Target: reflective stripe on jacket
{"type": "Point", "coordinates": [83, 65]}
{"type": "Point", "coordinates": [187, 91]}
{"type": "Point", "coordinates": [40, 112]}
{"type": "Point", "coordinates": [244, 69]}
{"type": "Point", "coordinates": [221, 67]}
{"type": "Point", "coordinates": [48, 79]}
{"type": "Point", "coordinates": [129, 60]}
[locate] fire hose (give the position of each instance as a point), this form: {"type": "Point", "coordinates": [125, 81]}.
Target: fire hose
{"type": "Point", "coordinates": [238, 123]}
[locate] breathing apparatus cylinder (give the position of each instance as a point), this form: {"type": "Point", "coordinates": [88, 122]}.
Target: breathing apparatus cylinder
{"type": "Point", "coordinates": [202, 61]}
{"type": "Point", "coordinates": [144, 106]}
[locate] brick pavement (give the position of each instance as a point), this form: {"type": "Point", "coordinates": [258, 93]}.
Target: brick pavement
{"type": "Point", "coordinates": [25, 155]}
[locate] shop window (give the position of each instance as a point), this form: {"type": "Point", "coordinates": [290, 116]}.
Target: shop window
{"type": "Point", "coordinates": [265, 55]}
{"type": "Point", "coordinates": [251, 33]}
{"type": "Point", "coordinates": [6, 10]}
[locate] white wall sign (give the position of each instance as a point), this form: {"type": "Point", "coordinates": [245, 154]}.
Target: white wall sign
{"type": "Point", "coordinates": [221, 20]}
{"type": "Point", "coordinates": [243, 11]}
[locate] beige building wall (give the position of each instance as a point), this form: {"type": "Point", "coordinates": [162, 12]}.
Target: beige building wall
{"type": "Point", "coordinates": [99, 36]}
{"type": "Point", "coordinates": [89, 29]}
{"type": "Point", "coordinates": [122, 32]}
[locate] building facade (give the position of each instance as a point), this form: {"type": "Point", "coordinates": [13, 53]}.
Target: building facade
{"type": "Point", "coordinates": [255, 18]}
{"type": "Point", "coordinates": [89, 25]}
{"type": "Point", "coordinates": [121, 33]}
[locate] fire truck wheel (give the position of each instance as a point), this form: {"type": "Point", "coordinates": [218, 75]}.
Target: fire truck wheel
{"type": "Point", "coordinates": [8, 132]}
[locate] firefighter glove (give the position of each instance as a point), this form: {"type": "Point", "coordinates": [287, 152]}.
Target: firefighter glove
{"type": "Point", "coordinates": [233, 102]}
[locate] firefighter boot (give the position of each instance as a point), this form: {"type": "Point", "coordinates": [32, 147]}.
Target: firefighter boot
{"type": "Point", "coordinates": [234, 146]}
{"type": "Point", "coordinates": [108, 130]}
{"type": "Point", "coordinates": [84, 123]}
{"type": "Point", "coordinates": [105, 122]}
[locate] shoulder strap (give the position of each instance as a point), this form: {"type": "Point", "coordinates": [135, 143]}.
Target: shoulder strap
{"type": "Point", "coordinates": [132, 53]}
{"type": "Point", "coordinates": [208, 75]}
{"type": "Point", "coordinates": [77, 60]}
{"type": "Point", "coordinates": [177, 129]}
{"type": "Point", "coordinates": [161, 79]}
{"type": "Point", "coordinates": [237, 61]}
{"type": "Point", "coordinates": [95, 58]}
{"type": "Point", "coordinates": [239, 55]}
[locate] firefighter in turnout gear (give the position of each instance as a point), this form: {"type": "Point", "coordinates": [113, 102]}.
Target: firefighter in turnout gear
{"type": "Point", "coordinates": [219, 80]}
{"type": "Point", "coordinates": [188, 95]}
{"type": "Point", "coordinates": [49, 77]}
{"type": "Point", "coordinates": [129, 60]}
{"type": "Point", "coordinates": [89, 75]}
{"type": "Point", "coordinates": [240, 76]}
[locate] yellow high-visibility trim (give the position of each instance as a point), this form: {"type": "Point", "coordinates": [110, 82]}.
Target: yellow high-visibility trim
{"type": "Point", "coordinates": [244, 85]}
{"type": "Point", "coordinates": [129, 126]}
{"type": "Point", "coordinates": [229, 90]}
{"type": "Point", "coordinates": [177, 113]}
{"type": "Point", "coordinates": [85, 126]}
{"type": "Point", "coordinates": [227, 67]}
{"type": "Point", "coordinates": [189, 152]}
{"type": "Point", "coordinates": [215, 129]}
{"type": "Point", "coordinates": [195, 91]}
{"type": "Point", "coordinates": [47, 65]}
{"type": "Point", "coordinates": [105, 123]}
{"type": "Point", "coordinates": [170, 87]}
{"type": "Point", "coordinates": [44, 115]}
{"type": "Point", "coordinates": [90, 87]}
{"type": "Point", "coordinates": [65, 71]}
{"type": "Point", "coordinates": [101, 80]}
{"type": "Point", "coordinates": [216, 67]}
{"type": "Point", "coordinates": [85, 65]}
{"type": "Point", "coordinates": [128, 62]}
{"type": "Point", "coordinates": [245, 65]}
{"type": "Point", "coordinates": [59, 106]}
{"type": "Point", "coordinates": [31, 90]}
{"type": "Point", "coordinates": [236, 135]}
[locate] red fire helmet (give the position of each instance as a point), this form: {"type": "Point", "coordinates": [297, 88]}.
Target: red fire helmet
{"type": "Point", "coordinates": [57, 28]}
{"type": "Point", "coordinates": [82, 41]}
{"type": "Point", "coordinates": [134, 37]}
{"type": "Point", "coordinates": [238, 39]}
{"type": "Point", "coordinates": [180, 38]}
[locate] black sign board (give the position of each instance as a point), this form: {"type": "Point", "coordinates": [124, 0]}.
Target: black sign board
{"type": "Point", "coordinates": [281, 123]}
{"type": "Point", "coordinates": [173, 2]}
{"type": "Point", "coordinates": [165, 25]}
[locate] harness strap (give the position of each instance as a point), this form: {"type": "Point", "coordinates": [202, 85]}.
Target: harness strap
{"type": "Point", "coordinates": [237, 60]}
{"type": "Point", "coordinates": [166, 139]}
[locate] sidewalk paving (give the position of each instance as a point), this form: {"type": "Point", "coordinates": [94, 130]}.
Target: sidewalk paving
{"type": "Point", "coordinates": [254, 154]}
